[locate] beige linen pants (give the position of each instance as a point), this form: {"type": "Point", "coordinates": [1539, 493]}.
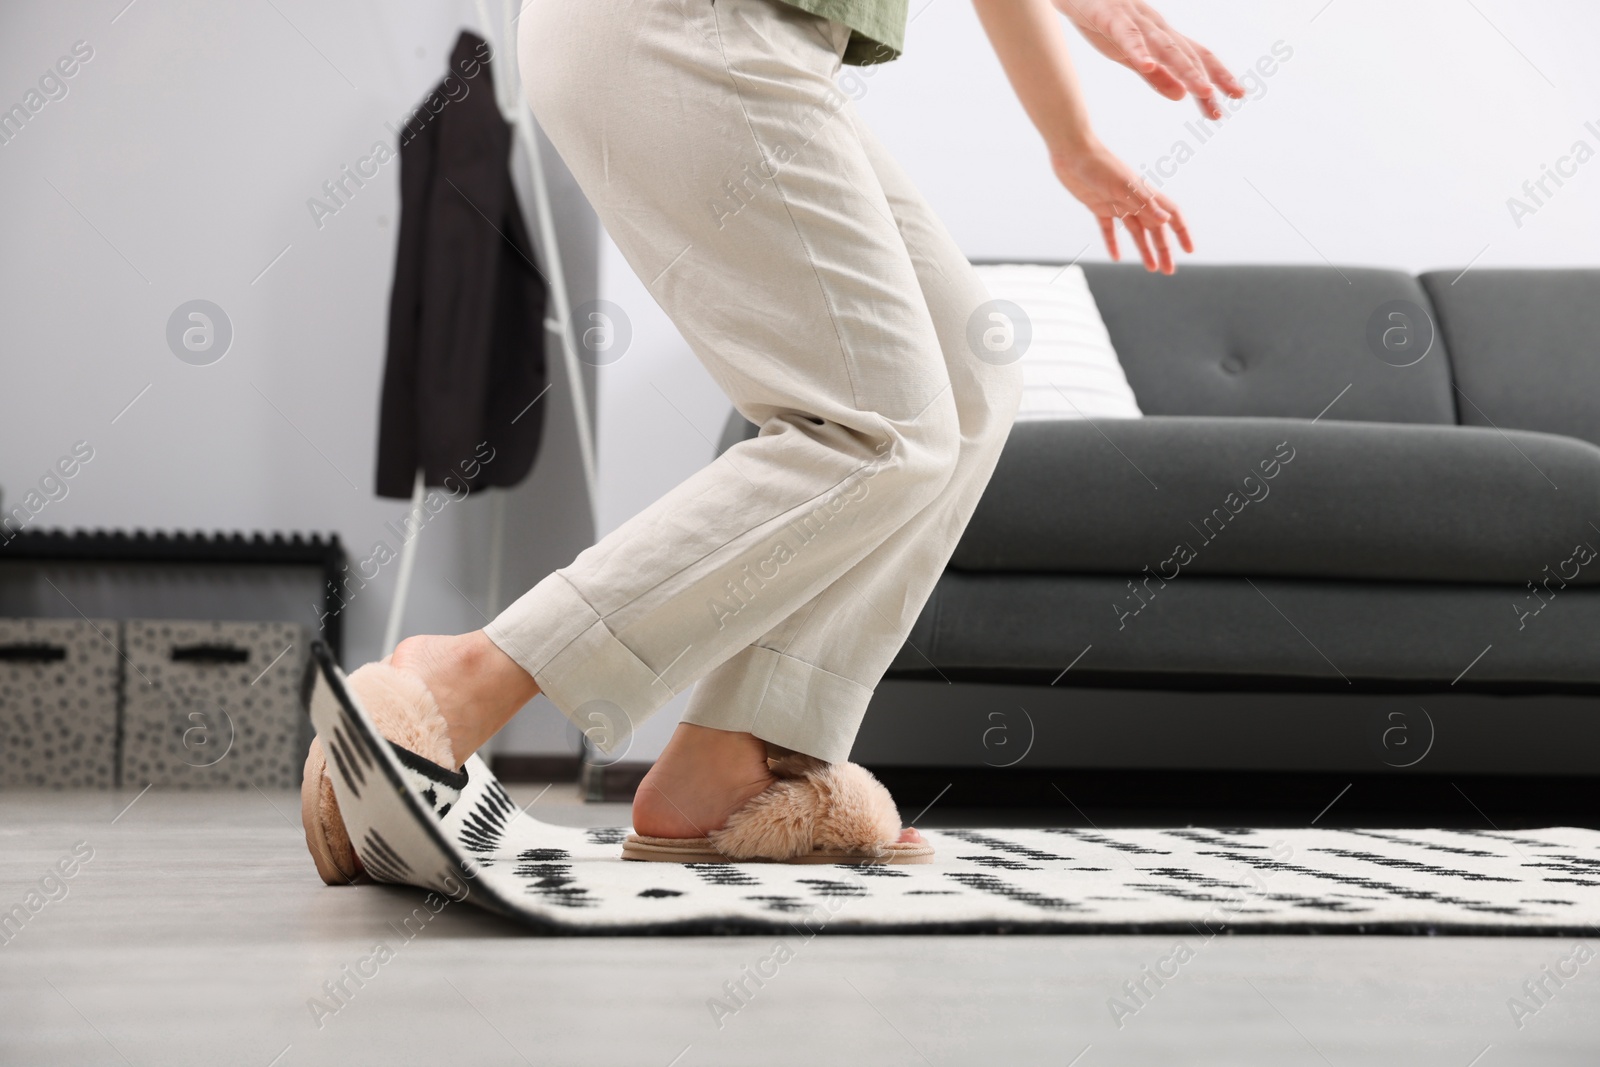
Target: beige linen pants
{"type": "Point", "coordinates": [823, 295]}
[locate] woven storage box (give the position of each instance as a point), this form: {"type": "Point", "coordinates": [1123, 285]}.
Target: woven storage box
{"type": "Point", "coordinates": [58, 703]}
{"type": "Point", "coordinates": [213, 704]}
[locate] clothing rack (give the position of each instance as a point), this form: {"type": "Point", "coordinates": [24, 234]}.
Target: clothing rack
{"type": "Point", "coordinates": [514, 109]}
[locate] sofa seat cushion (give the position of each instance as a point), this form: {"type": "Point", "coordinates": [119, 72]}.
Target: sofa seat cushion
{"type": "Point", "coordinates": [1173, 496]}
{"type": "Point", "coordinates": [1341, 633]}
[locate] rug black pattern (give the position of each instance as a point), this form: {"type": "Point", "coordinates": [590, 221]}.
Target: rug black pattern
{"type": "Point", "coordinates": [1284, 880]}
{"type": "Point", "coordinates": [1129, 879]}
{"type": "Point", "coordinates": [574, 881]}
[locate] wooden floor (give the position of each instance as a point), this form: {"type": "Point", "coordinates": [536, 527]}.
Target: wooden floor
{"type": "Point", "coordinates": [198, 934]}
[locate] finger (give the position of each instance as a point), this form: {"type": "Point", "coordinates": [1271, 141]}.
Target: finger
{"type": "Point", "coordinates": [1132, 203]}
{"type": "Point", "coordinates": [1140, 239]}
{"type": "Point", "coordinates": [1108, 230]}
{"type": "Point", "coordinates": [1173, 85]}
{"type": "Point", "coordinates": [1171, 49]}
{"type": "Point", "coordinates": [1157, 232]}
{"type": "Point", "coordinates": [1148, 215]}
{"type": "Point", "coordinates": [1150, 210]}
{"type": "Point", "coordinates": [1206, 93]}
{"type": "Point", "coordinates": [1179, 227]}
{"type": "Point", "coordinates": [1221, 76]}
{"type": "Point", "coordinates": [1139, 199]}
{"type": "Point", "coordinates": [1198, 82]}
{"type": "Point", "coordinates": [1208, 105]}
{"type": "Point", "coordinates": [1124, 33]}
{"type": "Point", "coordinates": [1162, 81]}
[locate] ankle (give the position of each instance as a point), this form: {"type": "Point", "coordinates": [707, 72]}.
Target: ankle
{"type": "Point", "coordinates": [478, 687]}
{"type": "Point", "coordinates": [701, 778]}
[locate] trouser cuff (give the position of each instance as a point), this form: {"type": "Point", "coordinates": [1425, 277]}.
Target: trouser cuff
{"type": "Point", "coordinates": [783, 701]}
{"type": "Point", "coordinates": [591, 676]}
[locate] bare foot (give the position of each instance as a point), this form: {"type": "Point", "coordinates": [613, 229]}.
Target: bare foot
{"type": "Point", "coordinates": [702, 777]}
{"type": "Point", "coordinates": [478, 687]}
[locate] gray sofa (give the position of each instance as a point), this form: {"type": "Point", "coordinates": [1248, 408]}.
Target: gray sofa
{"type": "Point", "coordinates": [1340, 540]}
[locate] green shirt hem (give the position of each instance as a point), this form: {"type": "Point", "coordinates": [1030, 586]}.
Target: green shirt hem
{"type": "Point", "coordinates": [878, 27]}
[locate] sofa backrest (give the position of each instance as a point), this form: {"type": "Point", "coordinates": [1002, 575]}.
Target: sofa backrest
{"type": "Point", "coordinates": [1269, 341]}
{"type": "Point", "coordinates": [1525, 347]}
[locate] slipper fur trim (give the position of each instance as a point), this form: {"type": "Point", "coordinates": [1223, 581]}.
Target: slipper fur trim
{"type": "Point", "coordinates": [838, 809]}
{"type": "Point", "coordinates": [406, 713]}
{"type": "Point", "coordinates": [403, 710]}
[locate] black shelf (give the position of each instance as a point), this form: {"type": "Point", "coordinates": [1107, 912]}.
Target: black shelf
{"type": "Point", "coordinates": [142, 546]}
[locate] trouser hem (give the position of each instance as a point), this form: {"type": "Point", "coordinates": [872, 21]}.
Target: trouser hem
{"type": "Point", "coordinates": [595, 680]}
{"type": "Point", "coordinates": [783, 701]}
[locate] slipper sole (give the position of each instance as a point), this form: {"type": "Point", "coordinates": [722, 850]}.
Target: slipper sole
{"type": "Point", "coordinates": [312, 822]}
{"type": "Point", "coordinates": [700, 850]}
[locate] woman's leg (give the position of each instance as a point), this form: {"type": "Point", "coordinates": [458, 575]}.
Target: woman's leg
{"type": "Point", "coordinates": [753, 213]}
{"type": "Point", "coordinates": [854, 629]}
{"type": "Point", "coordinates": [802, 267]}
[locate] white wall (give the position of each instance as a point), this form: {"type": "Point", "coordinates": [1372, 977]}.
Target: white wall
{"type": "Point", "coordinates": [183, 155]}
{"type": "Point", "coordinates": [178, 166]}
{"type": "Point", "coordinates": [1392, 136]}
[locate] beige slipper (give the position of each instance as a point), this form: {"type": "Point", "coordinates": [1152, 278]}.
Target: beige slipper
{"type": "Point", "coordinates": [815, 812]}
{"type": "Point", "coordinates": [406, 713]}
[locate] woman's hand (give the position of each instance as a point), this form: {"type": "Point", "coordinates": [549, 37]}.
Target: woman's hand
{"type": "Point", "coordinates": [1029, 41]}
{"type": "Point", "coordinates": [1134, 34]}
{"type": "Point", "coordinates": [1110, 189]}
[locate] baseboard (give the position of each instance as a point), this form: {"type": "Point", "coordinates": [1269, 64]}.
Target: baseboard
{"type": "Point", "coordinates": [984, 725]}
{"type": "Point", "coordinates": [1104, 798]}
{"type": "Point", "coordinates": [599, 783]}
{"type": "Point", "coordinates": [1161, 798]}
{"type": "Point", "coordinates": [509, 767]}
{"type": "Point", "coordinates": [612, 782]}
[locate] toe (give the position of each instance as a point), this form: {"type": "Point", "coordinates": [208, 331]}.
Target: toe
{"type": "Point", "coordinates": [909, 836]}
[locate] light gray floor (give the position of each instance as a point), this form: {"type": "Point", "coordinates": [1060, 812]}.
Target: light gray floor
{"type": "Point", "coordinates": [199, 934]}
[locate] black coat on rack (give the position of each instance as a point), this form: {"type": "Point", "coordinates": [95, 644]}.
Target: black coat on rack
{"type": "Point", "coordinates": [466, 356]}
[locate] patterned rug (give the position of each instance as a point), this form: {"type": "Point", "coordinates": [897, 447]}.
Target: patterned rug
{"type": "Point", "coordinates": [481, 849]}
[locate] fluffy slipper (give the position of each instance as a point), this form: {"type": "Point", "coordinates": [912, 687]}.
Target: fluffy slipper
{"type": "Point", "coordinates": [815, 812]}
{"type": "Point", "coordinates": [404, 712]}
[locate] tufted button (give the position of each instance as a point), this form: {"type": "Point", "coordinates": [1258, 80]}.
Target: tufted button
{"type": "Point", "coordinates": [1233, 365]}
